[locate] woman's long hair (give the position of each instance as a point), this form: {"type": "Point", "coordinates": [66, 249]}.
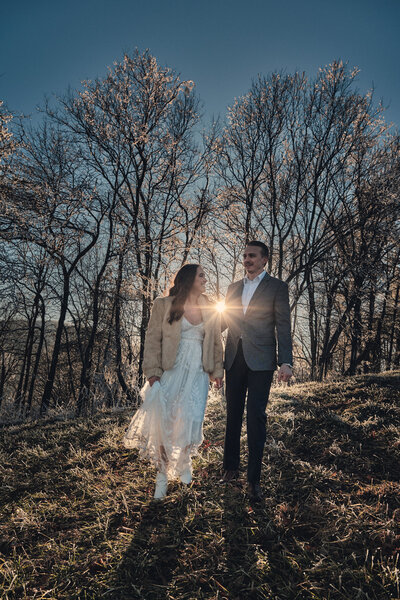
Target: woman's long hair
{"type": "Point", "coordinates": [183, 283]}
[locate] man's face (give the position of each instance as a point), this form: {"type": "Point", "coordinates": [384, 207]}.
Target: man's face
{"type": "Point", "coordinates": [253, 261]}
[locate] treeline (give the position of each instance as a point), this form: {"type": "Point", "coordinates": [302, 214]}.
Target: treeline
{"type": "Point", "coordinates": [120, 184]}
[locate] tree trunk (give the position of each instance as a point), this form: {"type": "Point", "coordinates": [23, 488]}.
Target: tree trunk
{"type": "Point", "coordinates": [377, 345]}
{"type": "Point", "coordinates": [312, 324]}
{"type": "Point", "coordinates": [366, 355]}
{"type": "Point", "coordinates": [37, 357]}
{"type": "Point", "coordinates": [393, 328]}
{"type": "Point", "coordinates": [30, 349]}
{"type": "Point", "coordinates": [48, 388]}
{"type": "Point", "coordinates": [86, 372]}
{"type": "Point", "coordinates": [70, 366]}
{"type": "Point", "coordinates": [118, 343]}
{"type": "Point", "coordinates": [143, 329]}
{"type": "Point", "coordinates": [325, 357]}
{"type": "Point", "coordinates": [355, 336]}
{"type": "Point", "coordinates": [2, 376]}
{"type": "Point", "coordinates": [19, 401]}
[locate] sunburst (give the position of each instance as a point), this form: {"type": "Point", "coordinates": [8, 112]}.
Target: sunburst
{"type": "Point", "coordinates": [220, 306]}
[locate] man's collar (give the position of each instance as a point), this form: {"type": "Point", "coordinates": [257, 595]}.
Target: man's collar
{"type": "Point", "coordinates": [259, 277]}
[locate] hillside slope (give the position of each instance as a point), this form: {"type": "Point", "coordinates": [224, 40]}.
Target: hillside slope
{"type": "Point", "coordinates": [77, 519]}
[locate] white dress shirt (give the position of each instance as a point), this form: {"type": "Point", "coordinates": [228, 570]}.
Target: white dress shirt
{"type": "Point", "coordinates": [249, 287]}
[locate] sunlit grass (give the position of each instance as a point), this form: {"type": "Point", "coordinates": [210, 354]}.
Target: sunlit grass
{"type": "Point", "coordinates": [78, 520]}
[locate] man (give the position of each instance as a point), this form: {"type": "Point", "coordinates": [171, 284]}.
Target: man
{"type": "Point", "coordinates": [257, 315]}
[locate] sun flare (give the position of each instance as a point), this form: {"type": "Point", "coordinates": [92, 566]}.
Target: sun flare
{"type": "Point", "coordinates": [220, 306]}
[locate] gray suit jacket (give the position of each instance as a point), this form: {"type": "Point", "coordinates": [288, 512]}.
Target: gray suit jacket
{"type": "Point", "coordinates": [265, 324]}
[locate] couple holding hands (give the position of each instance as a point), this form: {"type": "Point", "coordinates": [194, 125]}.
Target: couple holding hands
{"type": "Point", "coordinates": [183, 351]}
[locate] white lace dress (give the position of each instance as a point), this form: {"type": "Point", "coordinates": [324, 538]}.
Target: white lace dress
{"type": "Point", "coordinates": [168, 426]}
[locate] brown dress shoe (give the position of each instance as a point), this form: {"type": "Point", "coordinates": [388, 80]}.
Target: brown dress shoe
{"type": "Point", "coordinates": [229, 476]}
{"type": "Point", "coordinates": [255, 492]}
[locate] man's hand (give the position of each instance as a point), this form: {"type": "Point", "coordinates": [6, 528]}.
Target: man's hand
{"type": "Point", "coordinates": [151, 380]}
{"type": "Point", "coordinates": [218, 382]}
{"type": "Point", "coordinates": [285, 373]}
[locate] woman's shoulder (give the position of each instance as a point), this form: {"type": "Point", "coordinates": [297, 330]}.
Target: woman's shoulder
{"type": "Point", "coordinates": [163, 300]}
{"type": "Point", "coordinates": [161, 304]}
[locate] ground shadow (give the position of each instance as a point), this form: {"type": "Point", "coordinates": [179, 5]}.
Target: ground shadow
{"type": "Point", "coordinates": [252, 548]}
{"type": "Point", "coordinates": [149, 563]}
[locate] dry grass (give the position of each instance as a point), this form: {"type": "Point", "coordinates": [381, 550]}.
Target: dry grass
{"type": "Point", "coordinates": [78, 520]}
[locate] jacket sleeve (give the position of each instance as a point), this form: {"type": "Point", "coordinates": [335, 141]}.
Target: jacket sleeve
{"type": "Point", "coordinates": [152, 363]}
{"type": "Point", "coordinates": [218, 350]}
{"type": "Point", "coordinates": [282, 323]}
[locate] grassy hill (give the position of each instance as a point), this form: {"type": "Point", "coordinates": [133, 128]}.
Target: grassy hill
{"type": "Point", "coordinates": [78, 520]}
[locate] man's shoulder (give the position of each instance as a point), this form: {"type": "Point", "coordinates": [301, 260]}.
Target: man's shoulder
{"type": "Point", "coordinates": [276, 281]}
{"type": "Point", "coordinates": [267, 277]}
{"type": "Point", "coordinates": [234, 284]}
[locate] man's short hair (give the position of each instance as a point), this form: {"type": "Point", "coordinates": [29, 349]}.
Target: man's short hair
{"type": "Point", "coordinates": [264, 248]}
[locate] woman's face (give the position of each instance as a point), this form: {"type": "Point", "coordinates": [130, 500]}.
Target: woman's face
{"type": "Point", "coordinates": [199, 283]}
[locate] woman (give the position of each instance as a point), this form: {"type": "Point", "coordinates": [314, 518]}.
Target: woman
{"type": "Point", "coordinates": [183, 350]}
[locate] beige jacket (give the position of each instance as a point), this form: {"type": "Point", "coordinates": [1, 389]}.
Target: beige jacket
{"type": "Point", "coordinates": [162, 339]}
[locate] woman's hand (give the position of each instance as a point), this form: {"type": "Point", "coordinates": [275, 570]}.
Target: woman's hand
{"type": "Point", "coordinates": [218, 382]}
{"type": "Point", "coordinates": [151, 380]}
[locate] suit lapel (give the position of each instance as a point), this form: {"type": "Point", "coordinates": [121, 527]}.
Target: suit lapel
{"type": "Point", "coordinates": [237, 293]}
{"type": "Point", "coordinates": [235, 300]}
{"type": "Point", "coordinates": [233, 314]}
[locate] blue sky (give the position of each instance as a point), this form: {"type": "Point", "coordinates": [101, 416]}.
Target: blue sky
{"type": "Point", "coordinates": [45, 46]}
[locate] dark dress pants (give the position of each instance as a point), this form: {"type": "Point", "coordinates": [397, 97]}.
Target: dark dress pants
{"type": "Point", "coordinates": [239, 379]}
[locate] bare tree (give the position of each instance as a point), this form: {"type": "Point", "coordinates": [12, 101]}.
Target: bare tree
{"type": "Point", "coordinates": [56, 209]}
{"type": "Point", "coordinates": [136, 128]}
{"type": "Point", "coordinates": [295, 162]}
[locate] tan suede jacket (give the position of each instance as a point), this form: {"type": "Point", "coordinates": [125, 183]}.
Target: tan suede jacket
{"type": "Point", "coordinates": [162, 339]}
